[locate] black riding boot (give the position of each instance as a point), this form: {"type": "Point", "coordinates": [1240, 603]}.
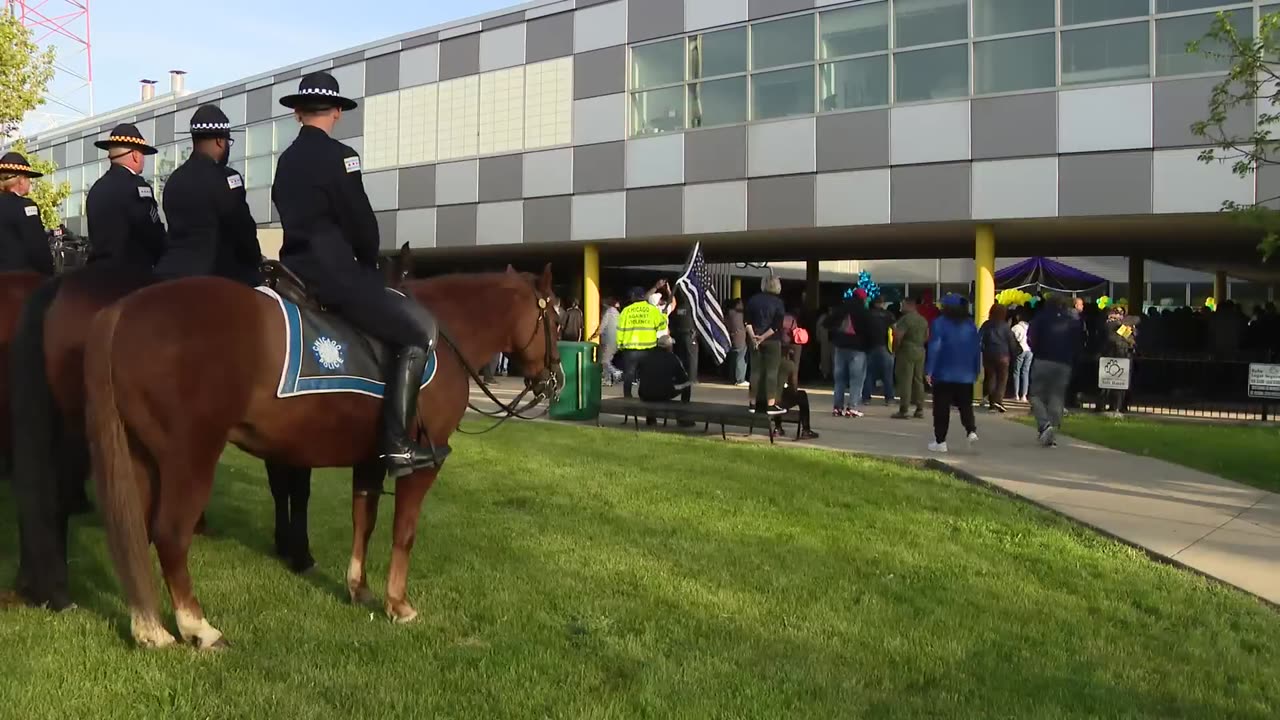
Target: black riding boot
{"type": "Point", "coordinates": [399, 412]}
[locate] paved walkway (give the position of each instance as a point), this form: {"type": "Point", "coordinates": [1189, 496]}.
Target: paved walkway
{"type": "Point", "coordinates": [1215, 526]}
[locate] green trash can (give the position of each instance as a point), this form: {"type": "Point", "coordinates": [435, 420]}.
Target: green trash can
{"type": "Point", "coordinates": [580, 397]}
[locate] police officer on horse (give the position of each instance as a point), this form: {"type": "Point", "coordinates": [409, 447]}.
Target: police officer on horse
{"type": "Point", "coordinates": [124, 219]}
{"type": "Point", "coordinates": [331, 242]}
{"type": "Point", "coordinates": [211, 230]}
{"type": "Point", "coordinates": [23, 242]}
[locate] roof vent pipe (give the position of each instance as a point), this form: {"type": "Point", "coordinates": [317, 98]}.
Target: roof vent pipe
{"type": "Point", "coordinates": [148, 90]}
{"type": "Point", "coordinates": [177, 82]}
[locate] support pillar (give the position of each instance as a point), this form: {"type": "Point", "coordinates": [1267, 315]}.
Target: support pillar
{"type": "Point", "coordinates": [1219, 288]}
{"type": "Point", "coordinates": [590, 289]}
{"type": "Point", "coordinates": [984, 273]}
{"type": "Point", "coordinates": [1137, 284]}
{"type": "Point", "coordinates": [812, 284]}
{"type": "Point", "coordinates": [735, 288]}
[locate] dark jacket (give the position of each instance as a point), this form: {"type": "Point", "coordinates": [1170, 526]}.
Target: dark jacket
{"type": "Point", "coordinates": [659, 373]}
{"type": "Point", "coordinates": [24, 245]}
{"type": "Point", "coordinates": [764, 312]}
{"type": "Point", "coordinates": [857, 311]}
{"type": "Point", "coordinates": [737, 326]}
{"type": "Point", "coordinates": [997, 339]}
{"type": "Point", "coordinates": [124, 220]}
{"type": "Point", "coordinates": [211, 231]}
{"type": "Point", "coordinates": [1056, 335]}
{"type": "Point", "coordinates": [1113, 343]}
{"type": "Point", "coordinates": [879, 321]}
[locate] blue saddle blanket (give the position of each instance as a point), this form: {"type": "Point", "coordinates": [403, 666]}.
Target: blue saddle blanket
{"type": "Point", "coordinates": [325, 354]}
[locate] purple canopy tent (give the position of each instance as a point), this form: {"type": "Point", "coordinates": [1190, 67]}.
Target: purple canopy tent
{"type": "Point", "coordinates": [1040, 273]}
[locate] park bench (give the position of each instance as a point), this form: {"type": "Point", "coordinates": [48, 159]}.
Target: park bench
{"type": "Point", "coordinates": [722, 414]}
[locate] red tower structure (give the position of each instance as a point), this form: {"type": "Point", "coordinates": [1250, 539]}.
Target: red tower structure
{"type": "Point", "coordinates": [64, 24]}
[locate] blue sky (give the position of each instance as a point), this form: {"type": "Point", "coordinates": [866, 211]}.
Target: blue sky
{"type": "Point", "coordinates": [230, 39]}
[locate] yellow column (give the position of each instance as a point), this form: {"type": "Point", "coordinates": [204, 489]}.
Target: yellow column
{"type": "Point", "coordinates": [1219, 288]}
{"type": "Point", "coordinates": [591, 288]}
{"type": "Point", "coordinates": [735, 290]}
{"type": "Point", "coordinates": [984, 273]}
{"type": "Point", "coordinates": [812, 284]}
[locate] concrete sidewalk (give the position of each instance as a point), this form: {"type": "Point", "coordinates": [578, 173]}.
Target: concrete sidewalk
{"type": "Point", "coordinates": [1220, 528]}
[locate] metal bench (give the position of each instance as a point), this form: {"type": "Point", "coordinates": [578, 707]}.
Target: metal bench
{"type": "Point", "coordinates": [721, 414]}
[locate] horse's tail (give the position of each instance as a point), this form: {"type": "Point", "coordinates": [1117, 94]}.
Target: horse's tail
{"type": "Point", "coordinates": [114, 466]}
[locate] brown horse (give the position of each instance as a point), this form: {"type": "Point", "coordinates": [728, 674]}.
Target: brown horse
{"type": "Point", "coordinates": [15, 288]}
{"type": "Point", "coordinates": [165, 398]}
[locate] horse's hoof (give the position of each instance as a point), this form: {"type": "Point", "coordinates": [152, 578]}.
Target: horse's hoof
{"type": "Point", "coordinates": [202, 528]}
{"type": "Point", "coordinates": [154, 639]}
{"type": "Point", "coordinates": [362, 597]}
{"type": "Point", "coordinates": [401, 613]}
{"type": "Point", "coordinates": [216, 646]}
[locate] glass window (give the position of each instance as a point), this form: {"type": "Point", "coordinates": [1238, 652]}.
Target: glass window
{"type": "Point", "coordinates": [1020, 63]}
{"type": "Point", "coordinates": [501, 111]}
{"type": "Point", "coordinates": [996, 17]}
{"type": "Point", "coordinates": [548, 103]}
{"type": "Point", "coordinates": [855, 83]}
{"type": "Point", "coordinates": [782, 42]}
{"type": "Point", "coordinates": [718, 53]}
{"type": "Point", "coordinates": [657, 64]}
{"type": "Point", "coordinates": [782, 93]}
{"type": "Point", "coordinates": [932, 74]}
{"type": "Point", "coordinates": [418, 125]}
{"type": "Point", "coordinates": [657, 111]}
{"type": "Point", "coordinates": [259, 140]}
{"type": "Point", "coordinates": [258, 172]}
{"type": "Point", "coordinates": [1172, 36]}
{"type": "Point", "coordinates": [922, 22]}
{"type": "Point", "coordinates": [1166, 6]}
{"type": "Point", "coordinates": [853, 31]}
{"type": "Point", "coordinates": [286, 129]}
{"type": "Point", "coordinates": [718, 102]}
{"type": "Point", "coordinates": [1103, 54]}
{"type": "Point", "coordinates": [1078, 12]}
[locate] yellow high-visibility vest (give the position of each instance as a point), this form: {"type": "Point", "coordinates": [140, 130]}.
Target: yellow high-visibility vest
{"type": "Point", "coordinates": [639, 325]}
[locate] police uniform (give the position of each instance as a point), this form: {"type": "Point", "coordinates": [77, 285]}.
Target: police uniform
{"type": "Point", "coordinates": [331, 242]}
{"type": "Point", "coordinates": [24, 245]}
{"type": "Point", "coordinates": [124, 219]}
{"type": "Point", "coordinates": [685, 335]}
{"type": "Point", "coordinates": [211, 231]}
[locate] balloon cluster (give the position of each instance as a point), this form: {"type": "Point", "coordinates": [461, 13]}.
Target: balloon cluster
{"type": "Point", "coordinates": [1013, 298]}
{"type": "Point", "coordinates": [868, 286]}
{"type": "Point", "coordinates": [1104, 302]}
{"type": "Point", "coordinates": [1211, 305]}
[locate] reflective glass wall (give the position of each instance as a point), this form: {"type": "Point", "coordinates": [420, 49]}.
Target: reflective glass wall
{"type": "Point", "coordinates": [881, 52]}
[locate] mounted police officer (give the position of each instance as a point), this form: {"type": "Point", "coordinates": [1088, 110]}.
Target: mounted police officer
{"type": "Point", "coordinates": [24, 245]}
{"type": "Point", "coordinates": [124, 219]}
{"type": "Point", "coordinates": [331, 242]}
{"type": "Point", "coordinates": [211, 231]}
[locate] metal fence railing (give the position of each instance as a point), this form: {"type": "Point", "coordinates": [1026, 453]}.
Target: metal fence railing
{"type": "Point", "coordinates": [1195, 386]}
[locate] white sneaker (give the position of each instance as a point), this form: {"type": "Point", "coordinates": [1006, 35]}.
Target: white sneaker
{"type": "Point", "coordinates": [742, 384]}
{"type": "Point", "coordinates": [1048, 436]}
{"type": "Point", "coordinates": [937, 447]}
{"type": "Point", "coordinates": [973, 438]}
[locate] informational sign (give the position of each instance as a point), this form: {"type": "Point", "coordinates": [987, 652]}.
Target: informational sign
{"type": "Point", "coordinates": [1113, 373]}
{"type": "Point", "coordinates": [1264, 381]}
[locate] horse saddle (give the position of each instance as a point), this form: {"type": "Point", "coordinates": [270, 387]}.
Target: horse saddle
{"type": "Point", "coordinates": [288, 285]}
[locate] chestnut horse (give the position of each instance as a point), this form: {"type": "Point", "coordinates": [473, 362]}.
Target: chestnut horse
{"type": "Point", "coordinates": [177, 370]}
{"type": "Point", "coordinates": [15, 288]}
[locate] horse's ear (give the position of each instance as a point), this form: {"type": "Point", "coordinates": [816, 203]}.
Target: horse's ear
{"type": "Point", "coordinates": [510, 269]}
{"type": "Point", "coordinates": [544, 282]}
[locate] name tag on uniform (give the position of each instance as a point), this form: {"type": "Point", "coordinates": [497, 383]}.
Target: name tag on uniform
{"type": "Point", "coordinates": [32, 211]}
{"type": "Point", "coordinates": [144, 192]}
{"type": "Point", "coordinates": [234, 181]}
{"type": "Point", "coordinates": [353, 164]}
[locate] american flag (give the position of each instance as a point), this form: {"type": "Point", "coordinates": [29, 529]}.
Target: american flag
{"type": "Point", "coordinates": [700, 292]}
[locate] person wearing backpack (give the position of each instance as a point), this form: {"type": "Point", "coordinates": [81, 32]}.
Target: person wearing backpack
{"type": "Point", "coordinates": [848, 325]}
{"type": "Point", "coordinates": [794, 338]}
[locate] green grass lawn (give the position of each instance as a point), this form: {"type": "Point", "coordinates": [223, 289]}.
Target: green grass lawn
{"type": "Point", "coordinates": [1246, 454]}
{"type": "Point", "coordinates": [727, 581]}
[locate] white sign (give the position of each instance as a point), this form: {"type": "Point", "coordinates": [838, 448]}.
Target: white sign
{"type": "Point", "coordinates": [1113, 373]}
{"type": "Point", "coordinates": [1264, 381]}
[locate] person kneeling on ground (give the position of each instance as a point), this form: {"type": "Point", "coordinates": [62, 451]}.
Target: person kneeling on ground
{"type": "Point", "coordinates": [793, 397]}
{"type": "Point", "coordinates": [663, 378]}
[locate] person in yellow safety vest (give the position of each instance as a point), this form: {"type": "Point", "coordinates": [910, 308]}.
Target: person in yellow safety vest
{"type": "Point", "coordinates": [638, 328]}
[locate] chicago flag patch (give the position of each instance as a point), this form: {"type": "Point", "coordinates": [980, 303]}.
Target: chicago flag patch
{"type": "Point", "coordinates": [32, 211]}
{"type": "Point", "coordinates": [352, 164]}
{"type": "Point", "coordinates": [234, 181]}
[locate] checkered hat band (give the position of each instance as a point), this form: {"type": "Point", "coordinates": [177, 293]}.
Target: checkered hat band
{"type": "Point", "coordinates": [126, 139]}
{"type": "Point", "coordinates": [319, 91]}
{"type": "Point", "coordinates": [211, 126]}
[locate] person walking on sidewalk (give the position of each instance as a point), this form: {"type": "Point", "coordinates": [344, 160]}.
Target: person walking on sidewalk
{"type": "Point", "coordinates": [998, 350]}
{"type": "Point", "coordinates": [910, 334]}
{"type": "Point", "coordinates": [952, 367]}
{"type": "Point", "coordinates": [1056, 337]}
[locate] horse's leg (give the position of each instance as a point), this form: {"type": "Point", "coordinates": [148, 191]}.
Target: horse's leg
{"type": "Point", "coordinates": [366, 489]}
{"type": "Point", "coordinates": [410, 491]}
{"type": "Point", "coordinates": [299, 542]}
{"type": "Point", "coordinates": [278, 479]}
{"type": "Point", "coordinates": [187, 483]}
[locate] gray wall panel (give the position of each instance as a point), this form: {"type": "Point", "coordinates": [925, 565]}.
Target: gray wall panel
{"type": "Point", "coordinates": [780, 203]}
{"type": "Point", "coordinates": [351, 125]}
{"type": "Point", "coordinates": [649, 19]}
{"type": "Point", "coordinates": [1179, 103]}
{"type": "Point", "coordinates": [717, 154]}
{"type": "Point", "coordinates": [387, 229]}
{"type": "Point", "coordinates": [655, 212]}
{"type": "Point", "coordinates": [382, 74]}
{"type": "Point", "coordinates": [549, 37]}
{"type": "Point", "coordinates": [1117, 183]}
{"type": "Point", "coordinates": [853, 141]}
{"type": "Point", "coordinates": [547, 219]}
{"type": "Point", "coordinates": [418, 187]}
{"type": "Point", "coordinates": [1014, 126]}
{"type": "Point", "coordinates": [164, 129]}
{"type": "Point", "coordinates": [460, 57]}
{"type": "Point", "coordinates": [501, 178]}
{"type": "Point", "coordinates": [1268, 186]}
{"type": "Point", "coordinates": [258, 105]}
{"type": "Point", "coordinates": [600, 72]}
{"type": "Point", "coordinates": [929, 193]}
{"type": "Point", "coordinates": [765, 8]}
{"type": "Point", "coordinates": [599, 168]}
{"type": "Point", "coordinates": [456, 226]}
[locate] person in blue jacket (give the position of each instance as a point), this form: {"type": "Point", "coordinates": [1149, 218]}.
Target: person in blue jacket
{"type": "Point", "coordinates": [952, 367]}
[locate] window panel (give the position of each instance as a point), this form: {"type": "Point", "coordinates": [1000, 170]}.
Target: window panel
{"type": "Point", "coordinates": [922, 22]}
{"type": "Point", "coordinates": [502, 111]}
{"type": "Point", "coordinates": [459, 117]}
{"type": "Point", "coordinates": [854, 31]}
{"type": "Point", "coordinates": [259, 139]}
{"type": "Point", "coordinates": [718, 53]}
{"type": "Point", "coordinates": [782, 42]}
{"type": "Point", "coordinates": [855, 83]}
{"type": "Point", "coordinates": [286, 129]}
{"type": "Point", "coordinates": [718, 102]}
{"type": "Point", "coordinates": [657, 111]}
{"type": "Point", "coordinates": [1078, 12]}
{"type": "Point", "coordinates": [258, 172]}
{"type": "Point", "coordinates": [418, 125]}
{"type": "Point", "coordinates": [1166, 6]}
{"type": "Point", "coordinates": [996, 17]}
{"type": "Point", "coordinates": [1172, 36]}
{"type": "Point", "coordinates": [1103, 54]}
{"type": "Point", "coordinates": [1021, 63]}
{"type": "Point", "coordinates": [782, 93]}
{"type": "Point", "coordinates": [381, 131]}
{"type": "Point", "coordinates": [657, 64]}
{"type": "Point", "coordinates": [932, 74]}
{"type": "Point", "coordinates": [548, 104]}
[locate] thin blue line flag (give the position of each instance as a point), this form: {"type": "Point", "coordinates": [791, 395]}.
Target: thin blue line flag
{"type": "Point", "coordinates": [700, 293]}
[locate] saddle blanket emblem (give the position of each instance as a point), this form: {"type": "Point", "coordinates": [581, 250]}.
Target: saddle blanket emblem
{"type": "Point", "coordinates": [324, 354]}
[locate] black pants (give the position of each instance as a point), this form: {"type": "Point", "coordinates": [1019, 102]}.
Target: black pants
{"type": "Point", "coordinates": [687, 351]}
{"type": "Point", "coordinates": [796, 399]}
{"type": "Point", "coordinates": [630, 364]}
{"type": "Point", "coordinates": [359, 295]}
{"type": "Point", "coordinates": [945, 396]}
